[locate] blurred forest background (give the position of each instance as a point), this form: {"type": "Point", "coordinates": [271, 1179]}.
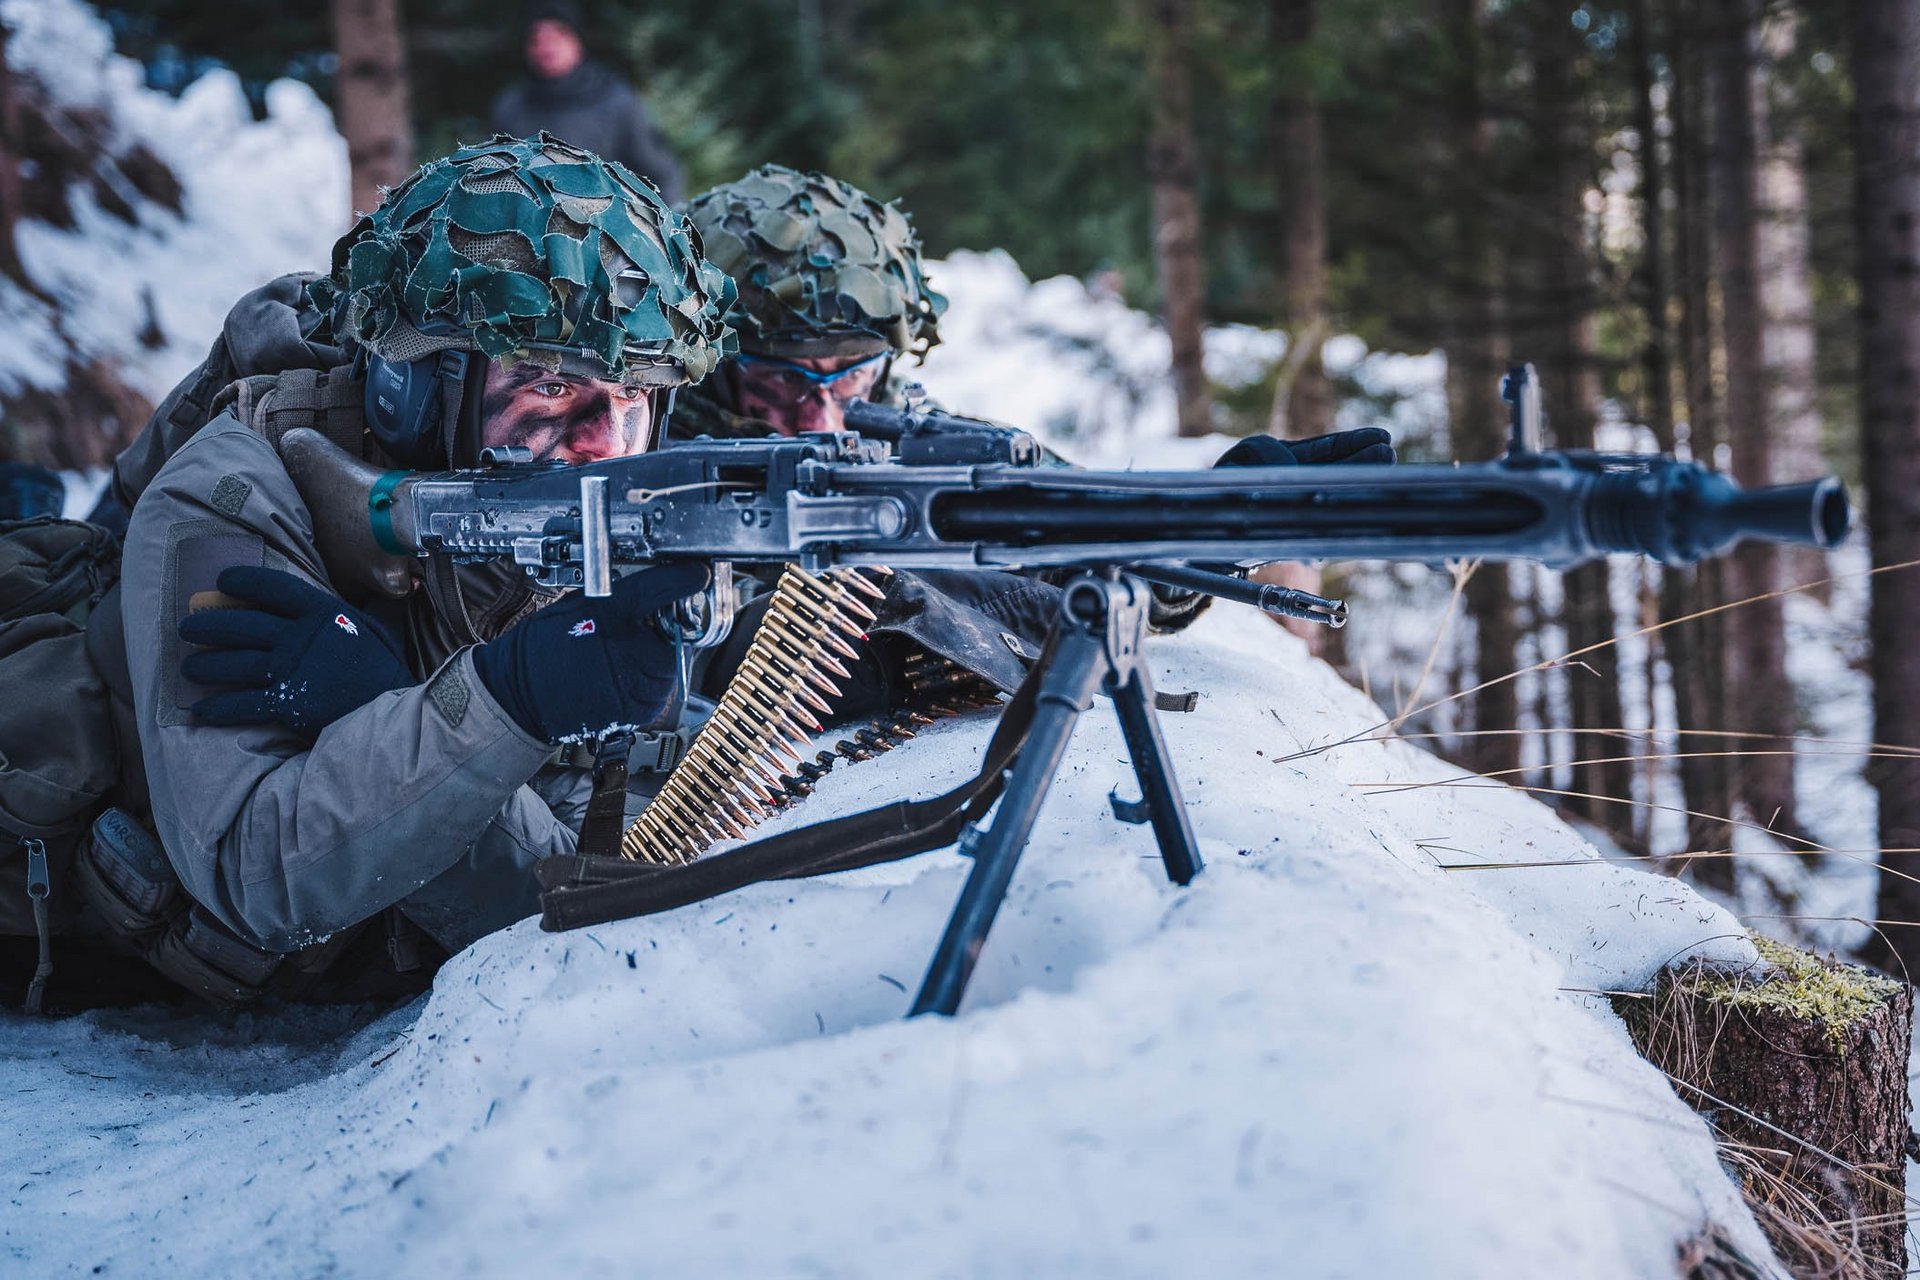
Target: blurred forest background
{"type": "Point", "coordinates": [1687, 213]}
{"type": "Point", "coordinates": [1465, 146]}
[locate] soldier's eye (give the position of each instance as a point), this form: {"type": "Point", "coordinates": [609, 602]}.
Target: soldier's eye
{"type": "Point", "coordinates": [553, 389]}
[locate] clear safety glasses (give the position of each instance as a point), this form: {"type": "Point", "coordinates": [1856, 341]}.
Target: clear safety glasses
{"type": "Point", "coordinates": [784, 382]}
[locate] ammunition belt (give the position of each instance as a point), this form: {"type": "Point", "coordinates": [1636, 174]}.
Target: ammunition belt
{"type": "Point", "coordinates": [935, 690]}
{"type": "Point", "coordinates": [746, 763]}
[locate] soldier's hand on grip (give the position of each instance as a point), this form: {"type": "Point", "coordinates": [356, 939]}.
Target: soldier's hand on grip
{"type": "Point", "coordinates": [583, 667]}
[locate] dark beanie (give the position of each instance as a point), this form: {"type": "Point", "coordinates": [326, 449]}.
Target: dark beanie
{"type": "Point", "coordinates": [564, 12]}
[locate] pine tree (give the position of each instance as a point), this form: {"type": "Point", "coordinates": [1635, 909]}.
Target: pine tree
{"type": "Point", "coordinates": [1173, 164]}
{"type": "Point", "coordinates": [1475, 349]}
{"type": "Point", "coordinates": [1885, 59]}
{"type": "Point", "coordinates": [1756, 631]}
{"type": "Point", "coordinates": [1303, 401]}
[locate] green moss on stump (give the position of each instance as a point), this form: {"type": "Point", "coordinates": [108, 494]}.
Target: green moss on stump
{"type": "Point", "coordinates": [1802, 986]}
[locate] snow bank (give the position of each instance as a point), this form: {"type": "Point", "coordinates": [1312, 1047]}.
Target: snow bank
{"type": "Point", "coordinates": [260, 199]}
{"type": "Point", "coordinates": [1325, 1057]}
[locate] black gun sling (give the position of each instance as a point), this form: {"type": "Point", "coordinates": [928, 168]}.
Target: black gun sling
{"type": "Point", "coordinates": [582, 890]}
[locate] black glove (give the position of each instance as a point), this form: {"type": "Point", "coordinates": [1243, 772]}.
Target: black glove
{"type": "Point", "coordinates": [1368, 444]}
{"type": "Point", "coordinates": [581, 668]}
{"type": "Point", "coordinates": [297, 655]}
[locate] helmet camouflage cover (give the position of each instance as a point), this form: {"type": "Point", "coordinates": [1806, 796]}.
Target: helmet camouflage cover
{"type": "Point", "coordinates": [532, 250]}
{"type": "Point", "coordinates": [823, 268]}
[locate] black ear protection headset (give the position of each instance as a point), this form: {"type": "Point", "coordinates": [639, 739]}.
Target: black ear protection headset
{"type": "Point", "coordinates": [425, 413]}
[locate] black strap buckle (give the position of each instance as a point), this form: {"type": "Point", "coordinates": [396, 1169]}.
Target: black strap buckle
{"type": "Point", "coordinates": [39, 885]}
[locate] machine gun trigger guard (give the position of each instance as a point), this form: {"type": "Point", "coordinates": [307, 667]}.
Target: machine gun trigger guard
{"type": "Point", "coordinates": [706, 620]}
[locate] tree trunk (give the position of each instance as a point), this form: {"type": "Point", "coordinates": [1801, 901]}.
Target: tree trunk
{"type": "Point", "coordinates": [1707, 782]}
{"type": "Point", "coordinates": [1653, 284]}
{"type": "Point", "coordinates": [1676, 588]}
{"type": "Point", "coordinates": [1303, 397]}
{"type": "Point", "coordinates": [1886, 141]}
{"type": "Point", "coordinates": [1570, 380]}
{"type": "Point", "coordinates": [1303, 403]}
{"type": "Point", "coordinates": [1757, 650]}
{"type": "Point", "coordinates": [1786, 282]}
{"type": "Point", "coordinates": [371, 96]}
{"type": "Point", "coordinates": [1476, 415]}
{"type": "Point", "coordinates": [1173, 166]}
{"type": "Point", "coordinates": [9, 167]}
{"type": "Point", "coordinates": [1791, 1065]}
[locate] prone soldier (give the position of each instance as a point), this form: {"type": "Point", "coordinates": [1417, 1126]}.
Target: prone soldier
{"type": "Point", "coordinates": [346, 786]}
{"type": "Point", "coordinates": [833, 300]}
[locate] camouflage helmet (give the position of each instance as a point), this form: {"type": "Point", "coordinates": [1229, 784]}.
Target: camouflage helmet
{"type": "Point", "coordinates": [823, 268]}
{"type": "Point", "coordinates": [531, 250]}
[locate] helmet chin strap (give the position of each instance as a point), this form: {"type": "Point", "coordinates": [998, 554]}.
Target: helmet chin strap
{"type": "Point", "coordinates": [662, 414]}
{"type": "Point", "coordinates": [725, 382]}
{"type": "Point", "coordinates": [463, 385]}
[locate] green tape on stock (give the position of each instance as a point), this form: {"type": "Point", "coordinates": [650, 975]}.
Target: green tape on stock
{"type": "Point", "coordinates": [380, 512]}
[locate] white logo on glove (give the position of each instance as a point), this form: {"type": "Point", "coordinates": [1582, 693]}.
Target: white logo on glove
{"type": "Point", "coordinates": [584, 627]}
{"type": "Point", "coordinates": [345, 623]}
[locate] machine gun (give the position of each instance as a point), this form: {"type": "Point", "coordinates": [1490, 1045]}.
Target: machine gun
{"type": "Point", "coordinates": [917, 489]}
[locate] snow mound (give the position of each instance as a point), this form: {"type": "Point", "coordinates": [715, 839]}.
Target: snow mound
{"type": "Point", "coordinates": [1328, 1056]}
{"type": "Point", "coordinates": [259, 199]}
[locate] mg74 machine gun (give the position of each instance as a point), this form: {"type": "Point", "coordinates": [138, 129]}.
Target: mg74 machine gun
{"type": "Point", "coordinates": [920, 489]}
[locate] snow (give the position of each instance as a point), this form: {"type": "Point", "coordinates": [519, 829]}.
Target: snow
{"type": "Point", "coordinates": [260, 199]}
{"type": "Point", "coordinates": [1326, 1057]}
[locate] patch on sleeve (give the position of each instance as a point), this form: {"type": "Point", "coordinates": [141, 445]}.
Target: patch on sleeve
{"type": "Point", "coordinates": [229, 495]}
{"type": "Point", "coordinates": [197, 552]}
{"type": "Point", "coordinates": [449, 692]}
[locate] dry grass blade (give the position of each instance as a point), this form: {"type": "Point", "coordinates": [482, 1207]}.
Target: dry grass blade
{"type": "Point", "coordinates": [1810, 846]}
{"type": "Point", "coordinates": [1648, 757]}
{"type": "Point", "coordinates": [1890, 749]}
{"type": "Point", "coordinates": [1812, 1245]}
{"type": "Point", "coordinates": [1367, 735]}
{"type": "Point", "coordinates": [1462, 574]}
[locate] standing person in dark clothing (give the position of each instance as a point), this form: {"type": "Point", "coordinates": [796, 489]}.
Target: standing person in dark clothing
{"type": "Point", "coordinates": [585, 102]}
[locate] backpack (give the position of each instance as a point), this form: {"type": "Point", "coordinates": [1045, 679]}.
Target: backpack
{"type": "Point", "coordinates": [59, 757]}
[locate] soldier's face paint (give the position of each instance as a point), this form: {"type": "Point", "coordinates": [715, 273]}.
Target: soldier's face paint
{"type": "Point", "coordinates": [806, 393]}
{"type": "Point", "coordinates": [564, 417]}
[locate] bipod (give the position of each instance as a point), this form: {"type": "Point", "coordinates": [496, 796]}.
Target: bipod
{"type": "Point", "coordinates": [1096, 646]}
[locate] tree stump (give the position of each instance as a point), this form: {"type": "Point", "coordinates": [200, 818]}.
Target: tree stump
{"type": "Point", "coordinates": [1800, 1065]}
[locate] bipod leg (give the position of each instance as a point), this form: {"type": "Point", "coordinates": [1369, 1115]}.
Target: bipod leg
{"type": "Point", "coordinates": [1159, 801]}
{"type": "Point", "coordinates": [1077, 667]}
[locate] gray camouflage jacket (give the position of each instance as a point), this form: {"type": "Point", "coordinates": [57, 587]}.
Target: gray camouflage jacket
{"type": "Point", "coordinates": [421, 798]}
{"type": "Point", "coordinates": [429, 797]}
